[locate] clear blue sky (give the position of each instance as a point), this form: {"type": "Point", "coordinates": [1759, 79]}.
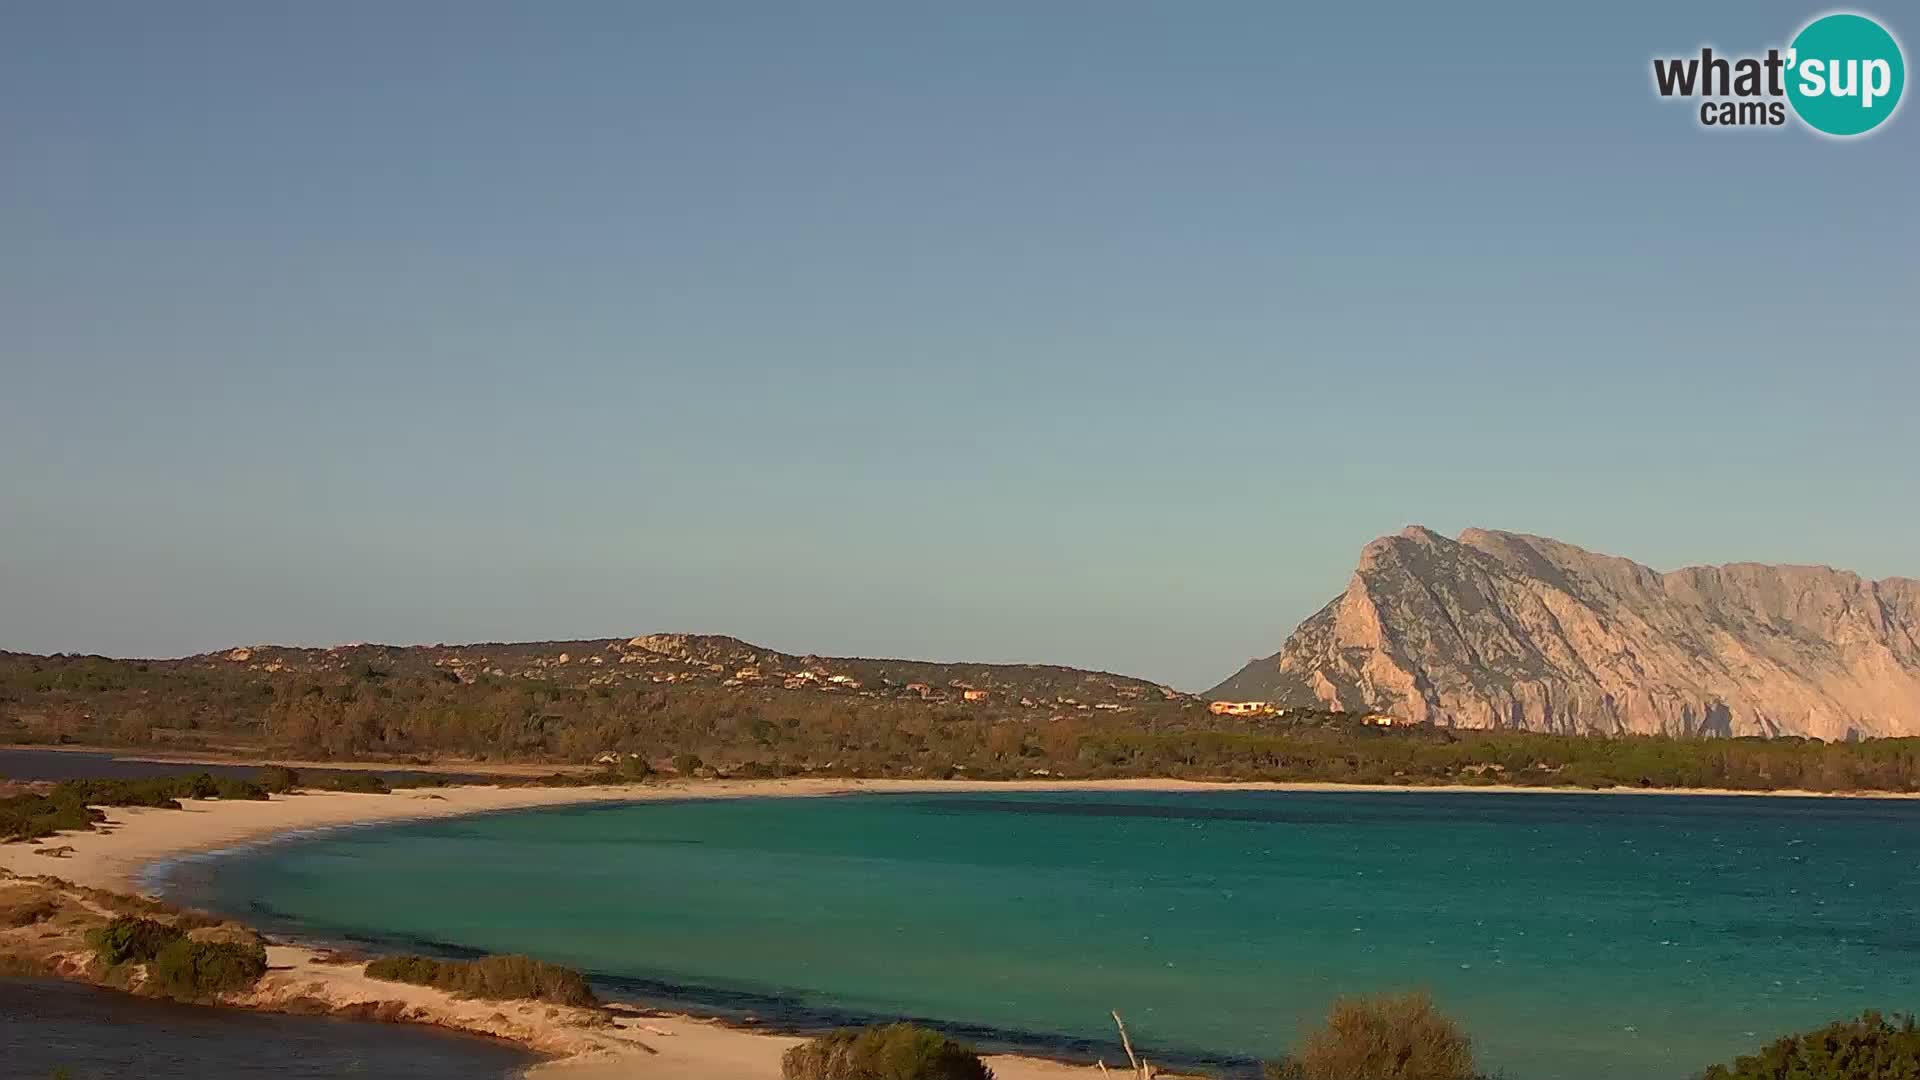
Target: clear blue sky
{"type": "Point", "coordinates": [1091, 333]}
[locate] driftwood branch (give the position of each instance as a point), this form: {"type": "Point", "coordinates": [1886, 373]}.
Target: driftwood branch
{"type": "Point", "coordinates": [1141, 1070]}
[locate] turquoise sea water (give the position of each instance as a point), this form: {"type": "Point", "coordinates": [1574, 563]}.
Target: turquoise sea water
{"type": "Point", "coordinates": [1578, 937]}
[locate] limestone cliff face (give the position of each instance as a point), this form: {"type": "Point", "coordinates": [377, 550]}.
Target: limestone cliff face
{"type": "Point", "coordinates": [1500, 629]}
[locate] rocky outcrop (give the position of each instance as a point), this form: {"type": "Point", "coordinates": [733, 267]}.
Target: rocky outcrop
{"type": "Point", "coordinates": [1499, 629]}
{"type": "Point", "coordinates": [698, 648]}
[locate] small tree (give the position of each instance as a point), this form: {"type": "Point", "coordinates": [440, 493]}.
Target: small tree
{"type": "Point", "coordinates": [1389, 1037]}
{"type": "Point", "coordinates": [279, 779]}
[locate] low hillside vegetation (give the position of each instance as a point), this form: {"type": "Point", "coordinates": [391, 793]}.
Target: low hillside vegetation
{"type": "Point", "coordinates": [393, 704]}
{"type": "Point", "coordinates": [491, 978]}
{"type": "Point", "coordinates": [889, 1052]}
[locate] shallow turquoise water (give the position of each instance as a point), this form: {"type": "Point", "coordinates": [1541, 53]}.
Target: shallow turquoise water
{"type": "Point", "coordinates": [1579, 937]}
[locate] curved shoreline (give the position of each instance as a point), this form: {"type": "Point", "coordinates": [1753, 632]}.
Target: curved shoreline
{"type": "Point", "coordinates": [747, 1012]}
{"type": "Point", "coordinates": [118, 857]}
{"type": "Point", "coordinates": [139, 845]}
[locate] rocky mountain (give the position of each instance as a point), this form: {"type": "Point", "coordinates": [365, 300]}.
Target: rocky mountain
{"type": "Point", "coordinates": [1499, 629]}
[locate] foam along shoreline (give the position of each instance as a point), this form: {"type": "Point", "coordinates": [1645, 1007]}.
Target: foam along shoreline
{"type": "Point", "coordinates": [139, 844]}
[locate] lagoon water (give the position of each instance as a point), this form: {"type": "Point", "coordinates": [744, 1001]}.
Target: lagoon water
{"type": "Point", "coordinates": [48, 1025]}
{"type": "Point", "coordinates": [1579, 937]}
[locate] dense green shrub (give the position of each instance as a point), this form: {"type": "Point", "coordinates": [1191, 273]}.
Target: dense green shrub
{"type": "Point", "coordinates": [763, 770]}
{"type": "Point", "coordinates": [412, 779]}
{"type": "Point", "coordinates": [687, 764]}
{"type": "Point", "coordinates": [30, 817]}
{"type": "Point", "coordinates": [890, 1052]}
{"type": "Point", "coordinates": [279, 779]}
{"type": "Point", "coordinates": [361, 782]}
{"type": "Point", "coordinates": [1870, 1048]}
{"type": "Point", "coordinates": [1389, 1037]}
{"type": "Point", "coordinates": [559, 780]}
{"type": "Point", "coordinates": [195, 970]}
{"type": "Point", "coordinates": [230, 787]}
{"type": "Point", "coordinates": [164, 792]}
{"type": "Point", "coordinates": [129, 939]}
{"type": "Point", "coordinates": [493, 978]}
{"type": "Point", "coordinates": [160, 791]}
{"type": "Point", "coordinates": [69, 805]}
{"type": "Point", "coordinates": [178, 966]}
{"type": "Point", "coordinates": [418, 970]}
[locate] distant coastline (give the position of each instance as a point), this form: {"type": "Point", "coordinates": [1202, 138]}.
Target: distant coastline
{"type": "Point", "coordinates": [119, 860]}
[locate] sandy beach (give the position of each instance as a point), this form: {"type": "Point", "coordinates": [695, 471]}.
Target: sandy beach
{"type": "Point", "coordinates": [639, 1044]}
{"type": "Point", "coordinates": [137, 837]}
{"type": "Point", "coordinates": [636, 1044]}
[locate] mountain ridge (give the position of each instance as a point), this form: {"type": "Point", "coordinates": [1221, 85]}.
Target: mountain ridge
{"type": "Point", "coordinates": [1508, 629]}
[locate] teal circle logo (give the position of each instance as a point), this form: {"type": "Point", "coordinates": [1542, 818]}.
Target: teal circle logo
{"type": "Point", "coordinates": [1845, 74]}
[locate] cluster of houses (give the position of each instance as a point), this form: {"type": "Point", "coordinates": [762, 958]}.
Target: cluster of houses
{"type": "Point", "coordinates": [806, 678]}
{"type": "Point", "coordinates": [677, 659]}
{"type": "Point", "coordinates": [1268, 708]}
{"type": "Point", "coordinates": [928, 692]}
{"type": "Point", "coordinates": [1244, 708]}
